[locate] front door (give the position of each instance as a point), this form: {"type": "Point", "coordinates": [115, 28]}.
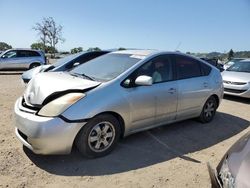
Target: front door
{"type": "Point", "coordinates": [8, 60]}
{"type": "Point", "coordinates": [155, 104]}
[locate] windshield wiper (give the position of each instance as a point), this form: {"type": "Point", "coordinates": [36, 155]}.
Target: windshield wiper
{"type": "Point", "coordinates": [82, 75]}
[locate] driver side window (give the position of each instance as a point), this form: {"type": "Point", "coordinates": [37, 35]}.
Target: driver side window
{"type": "Point", "coordinates": [10, 54]}
{"type": "Point", "coordinates": [159, 68]}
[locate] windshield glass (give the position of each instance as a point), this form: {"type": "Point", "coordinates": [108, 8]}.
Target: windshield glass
{"type": "Point", "coordinates": [106, 67]}
{"type": "Point", "coordinates": [242, 66]}
{"type": "Point", "coordinates": [65, 59]}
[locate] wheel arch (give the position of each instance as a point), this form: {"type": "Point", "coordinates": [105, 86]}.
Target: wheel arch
{"type": "Point", "coordinates": [118, 117]}
{"type": "Point", "coordinates": [216, 98]}
{"type": "Point", "coordinates": [35, 62]}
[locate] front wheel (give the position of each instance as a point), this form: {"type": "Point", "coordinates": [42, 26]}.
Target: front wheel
{"type": "Point", "coordinates": [208, 110]}
{"type": "Point", "coordinates": [99, 136]}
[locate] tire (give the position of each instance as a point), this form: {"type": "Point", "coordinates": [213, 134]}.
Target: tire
{"type": "Point", "coordinates": [99, 136]}
{"type": "Point", "coordinates": [33, 65]}
{"type": "Point", "coordinates": [208, 110]}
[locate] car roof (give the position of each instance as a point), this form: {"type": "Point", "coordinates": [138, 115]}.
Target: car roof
{"type": "Point", "coordinates": [29, 49]}
{"type": "Point", "coordinates": [136, 52]}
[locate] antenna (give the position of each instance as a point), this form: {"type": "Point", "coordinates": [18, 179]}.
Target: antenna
{"type": "Point", "coordinates": [177, 47]}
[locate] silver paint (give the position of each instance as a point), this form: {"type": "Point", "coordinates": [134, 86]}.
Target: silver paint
{"type": "Point", "coordinates": [140, 108]}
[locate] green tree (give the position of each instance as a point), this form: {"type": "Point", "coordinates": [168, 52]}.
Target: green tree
{"type": "Point", "coordinates": [121, 48]}
{"type": "Point", "coordinates": [76, 50]}
{"type": "Point", "coordinates": [230, 54]}
{"type": "Point", "coordinates": [4, 46]}
{"type": "Point", "coordinates": [38, 46]}
{"type": "Point", "coordinates": [94, 49]}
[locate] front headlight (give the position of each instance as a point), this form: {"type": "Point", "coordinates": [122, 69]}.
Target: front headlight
{"type": "Point", "coordinates": [59, 105]}
{"type": "Point", "coordinates": [228, 181]}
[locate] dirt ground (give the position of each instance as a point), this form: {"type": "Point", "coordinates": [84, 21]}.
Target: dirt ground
{"type": "Point", "coordinates": [170, 156]}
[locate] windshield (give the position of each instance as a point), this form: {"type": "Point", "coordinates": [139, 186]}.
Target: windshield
{"type": "Point", "coordinates": [65, 59]}
{"type": "Point", "coordinates": [106, 67]}
{"type": "Point", "coordinates": [242, 66]}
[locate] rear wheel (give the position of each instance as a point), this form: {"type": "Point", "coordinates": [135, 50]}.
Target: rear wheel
{"type": "Point", "coordinates": [208, 110]}
{"type": "Point", "coordinates": [33, 65]}
{"type": "Point", "coordinates": [99, 136]}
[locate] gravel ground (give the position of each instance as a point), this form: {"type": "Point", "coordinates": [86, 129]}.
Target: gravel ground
{"type": "Point", "coordinates": [170, 156]}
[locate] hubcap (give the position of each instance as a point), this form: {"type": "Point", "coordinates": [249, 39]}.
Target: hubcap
{"type": "Point", "coordinates": [209, 109]}
{"type": "Point", "coordinates": [101, 136]}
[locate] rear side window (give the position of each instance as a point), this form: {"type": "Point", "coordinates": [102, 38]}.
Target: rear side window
{"type": "Point", "coordinates": [25, 53]}
{"type": "Point", "coordinates": [205, 69]}
{"type": "Point", "coordinates": [33, 53]}
{"type": "Point", "coordinates": [187, 67]}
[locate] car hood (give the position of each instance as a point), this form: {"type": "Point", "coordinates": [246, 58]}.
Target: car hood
{"type": "Point", "coordinates": [48, 83]}
{"type": "Point", "coordinates": [238, 158]}
{"type": "Point", "coordinates": [236, 76]}
{"type": "Point", "coordinates": [28, 75]}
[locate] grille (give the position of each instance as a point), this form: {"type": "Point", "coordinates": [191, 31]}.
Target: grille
{"type": "Point", "coordinates": [234, 83]}
{"type": "Point", "coordinates": [234, 90]}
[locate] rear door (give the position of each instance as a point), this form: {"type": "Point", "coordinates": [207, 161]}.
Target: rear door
{"type": "Point", "coordinates": [193, 86]}
{"type": "Point", "coordinates": [26, 57]}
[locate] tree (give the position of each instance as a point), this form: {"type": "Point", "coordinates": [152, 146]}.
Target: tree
{"type": "Point", "coordinates": [76, 50]}
{"type": "Point", "coordinates": [94, 49]}
{"type": "Point", "coordinates": [230, 54]}
{"type": "Point", "coordinates": [41, 28]}
{"type": "Point", "coordinates": [50, 33]}
{"type": "Point", "coordinates": [4, 46]}
{"type": "Point", "coordinates": [38, 46]}
{"type": "Point", "coordinates": [121, 48]}
{"type": "Point", "coordinates": [54, 32]}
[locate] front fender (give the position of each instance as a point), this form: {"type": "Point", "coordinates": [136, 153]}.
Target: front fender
{"type": "Point", "coordinates": [105, 98]}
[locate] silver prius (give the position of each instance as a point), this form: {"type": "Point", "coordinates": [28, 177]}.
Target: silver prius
{"type": "Point", "coordinates": [113, 96]}
{"type": "Point", "coordinates": [236, 79]}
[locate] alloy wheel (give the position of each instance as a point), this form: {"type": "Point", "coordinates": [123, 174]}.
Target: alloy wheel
{"type": "Point", "coordinates": [101, 136]}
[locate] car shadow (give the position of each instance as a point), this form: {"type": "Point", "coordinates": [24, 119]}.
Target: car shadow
{"type": "Point", "coordinates": [146, 148]}
{"type": "Point", "coordinates": [237, 99]}
{"type": "Point", "coordinates": [11, 72]}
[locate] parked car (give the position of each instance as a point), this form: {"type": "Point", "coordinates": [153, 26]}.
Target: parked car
{"type": "Point", "coordinates": [234, 168]}
{"type": "Point", "coordinates": [236, 79]}
{"type": "Point", "coordinates": [21, 59]}
{"type": "Point", "coordinates": [64, 64]}
{"type": "Point", "coordinates": [231, 62]}
{"type": "Point", "coordinates": [214, 62]}
{"type": "Point", "coordinates": [113, 96]}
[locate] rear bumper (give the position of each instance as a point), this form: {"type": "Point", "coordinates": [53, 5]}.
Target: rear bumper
{"type": "Point", "coordinates": [44, 135]}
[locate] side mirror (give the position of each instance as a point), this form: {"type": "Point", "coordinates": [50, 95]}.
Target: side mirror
{"type": "Point", "coordinates": [76, 64]}
{"type": "Point", "coordinates": [144, 80]}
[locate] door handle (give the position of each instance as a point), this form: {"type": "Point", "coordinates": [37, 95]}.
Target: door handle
{"type": "Point", "coordinates": [172, 90]}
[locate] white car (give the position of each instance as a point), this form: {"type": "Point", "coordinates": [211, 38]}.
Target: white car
{"type": "Point", "coordinates": [236, 79]}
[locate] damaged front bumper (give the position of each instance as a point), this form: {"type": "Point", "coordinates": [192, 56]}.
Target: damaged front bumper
{"type": "Point", "coordinates": [44, 135]}
{"type": "Point", "coordinates": [215, 182]}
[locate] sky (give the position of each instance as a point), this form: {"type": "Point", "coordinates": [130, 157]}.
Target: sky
{"type": "Point", "coordinates": [184, 25]}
